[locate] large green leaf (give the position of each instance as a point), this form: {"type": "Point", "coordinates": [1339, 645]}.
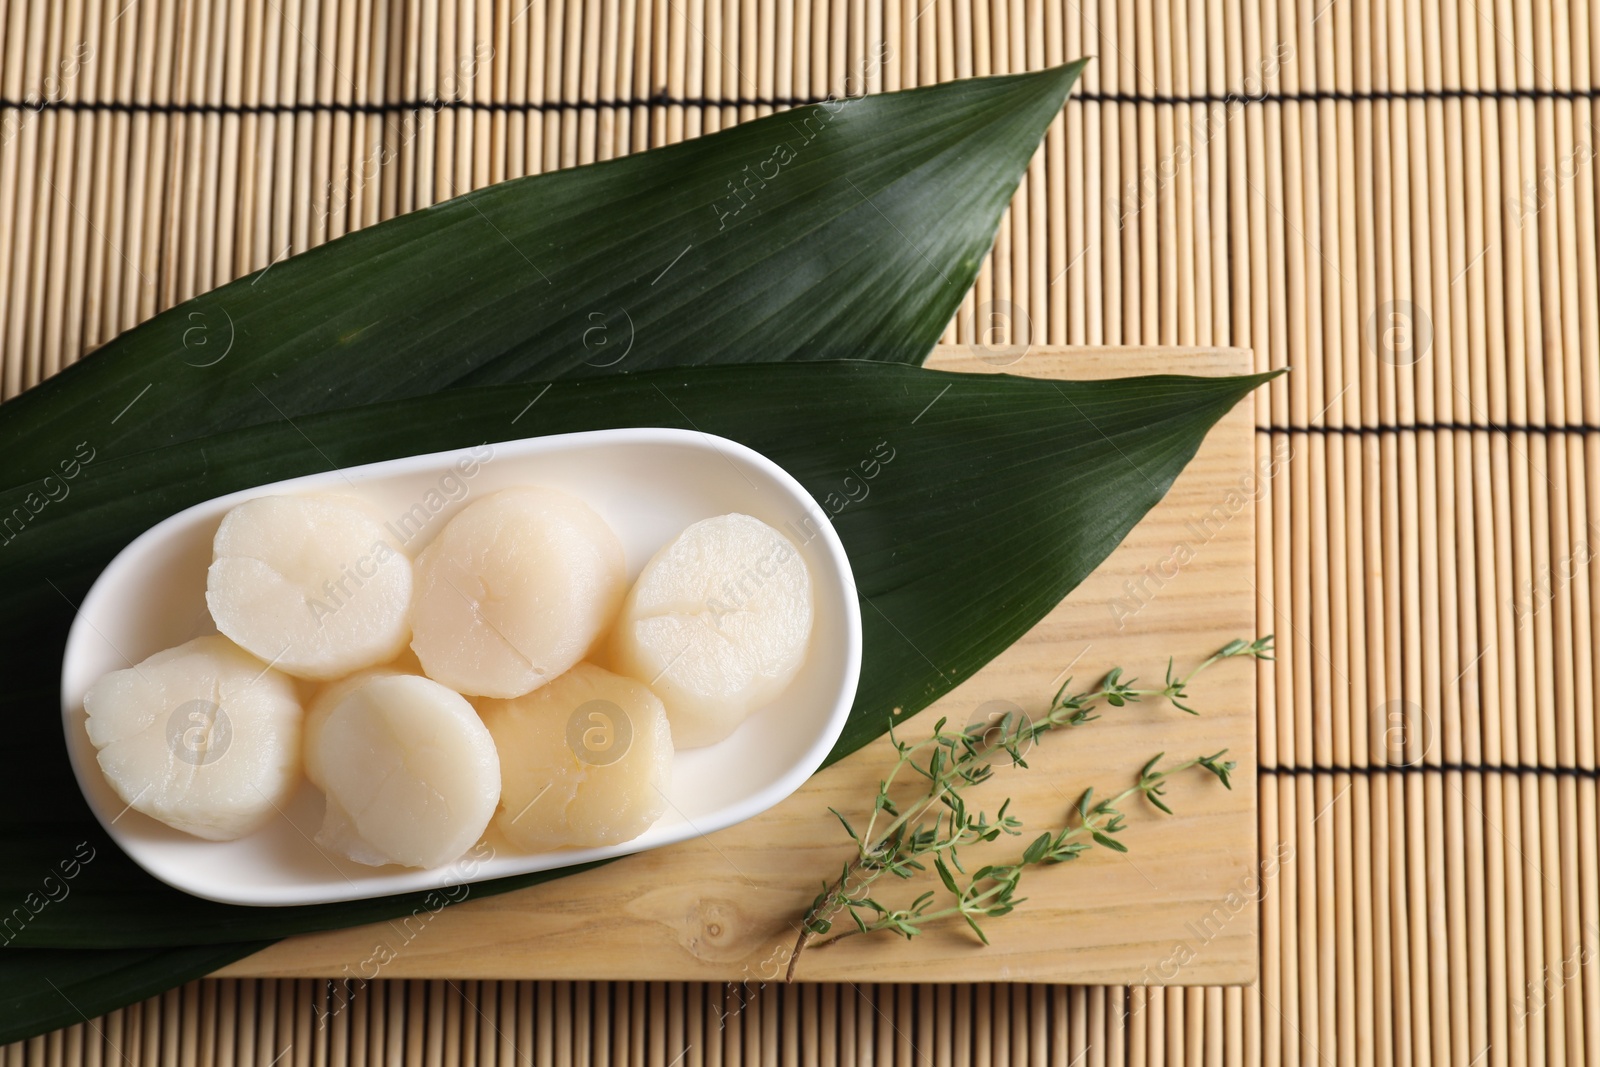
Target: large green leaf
{"type": "Point", "coordinates": [1002, 494]}
{"type": "Point", "coordinates": [998, 496]}
{"type": "Point", "coordinates": [859, 226]}
{"type": "Point", "coordinates": [45, 989]}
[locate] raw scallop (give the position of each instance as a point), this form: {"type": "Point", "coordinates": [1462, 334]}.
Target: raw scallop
{"type": "Point", "coordinates": [408, 769]}
{"type": "Point", "coordinates": [311, 584]}
{"type": "Point", "coordinates": [584, 760]}
{"type": "Point", "coordinates": [514, 591]}
{"type": "Point", "coordinates": [204, 737]}
{"type": "Point", "coordinates": [717, 625]}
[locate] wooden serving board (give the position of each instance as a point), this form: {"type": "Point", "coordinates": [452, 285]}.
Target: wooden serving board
{"type": "Point", "coordinates": [1179, 908]}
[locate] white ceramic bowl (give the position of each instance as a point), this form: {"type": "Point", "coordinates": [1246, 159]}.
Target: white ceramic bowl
{"type": "Point", "coordinates": [647, 483]}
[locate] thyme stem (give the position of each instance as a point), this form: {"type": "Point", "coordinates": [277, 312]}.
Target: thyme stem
{"type": "Point", "coordinates": [951, 761]}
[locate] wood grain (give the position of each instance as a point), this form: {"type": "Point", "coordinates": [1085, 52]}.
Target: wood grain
{"type": "Point", "coordinates": [1180, 908]}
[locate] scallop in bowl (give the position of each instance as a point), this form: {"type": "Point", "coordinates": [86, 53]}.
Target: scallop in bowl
{"type": "Point", "coordinates": [648, 486]}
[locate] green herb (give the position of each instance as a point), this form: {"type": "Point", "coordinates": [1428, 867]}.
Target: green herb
{"type": "Point", "coordinates": [936, 824]}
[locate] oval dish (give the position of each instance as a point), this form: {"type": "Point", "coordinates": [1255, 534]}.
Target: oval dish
{"type": "Point", "coordinates": [649, 484]}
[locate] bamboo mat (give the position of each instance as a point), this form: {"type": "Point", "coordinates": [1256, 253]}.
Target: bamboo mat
{"type": "Point", "coordinates": [1397, 200]}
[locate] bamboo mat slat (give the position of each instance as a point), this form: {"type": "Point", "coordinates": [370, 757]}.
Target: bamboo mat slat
{"type": "Point", "coordinates": [1395, 199]}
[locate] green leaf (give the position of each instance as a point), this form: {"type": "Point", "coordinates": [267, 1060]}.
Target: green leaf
{"type": "Point", "coordinates": [860, 245]}
{"type": "Point", "coordinates": [944, 588]}
{"type": "Point", "coordinates": [1037, 849]}
{"type": "Point", "coordinates": [1108, 841]}
{"type": "Point", "coordinates": [45, 989]}
{"type": "Point", "coordinates": [945, 876]}
{"type": "Point", "coordinates": [843, 822]}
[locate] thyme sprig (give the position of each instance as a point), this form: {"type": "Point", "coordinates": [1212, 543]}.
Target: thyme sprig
{"type": "Point", "coordinates": [937, 823]}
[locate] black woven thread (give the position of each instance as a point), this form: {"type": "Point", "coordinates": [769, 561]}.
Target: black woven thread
{"type": "Point", "coordinates": [1373, 770]}
{"type": "Point", "coordinates": [1425, 427]}
{"type": "Point", "coordinates": [664, 100]}
{"type": "Point", "coordinates": [398, 107]}
{"type": "Point", "coordinates": [1319, 96]}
